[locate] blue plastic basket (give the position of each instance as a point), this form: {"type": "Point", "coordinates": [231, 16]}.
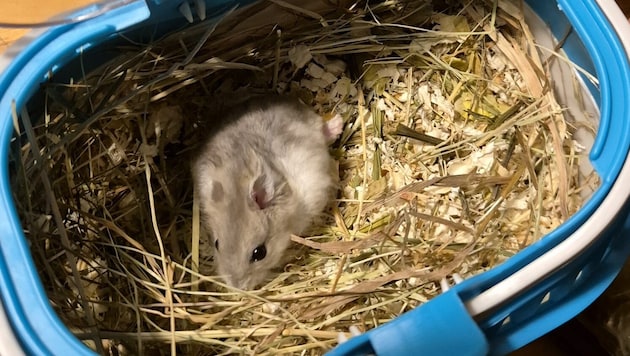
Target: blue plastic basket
{"type": "Point", "coordinates": [495, 312]}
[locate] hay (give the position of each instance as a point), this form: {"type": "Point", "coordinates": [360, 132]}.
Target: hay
{"type": "Point", "coordinates": [454, 156]}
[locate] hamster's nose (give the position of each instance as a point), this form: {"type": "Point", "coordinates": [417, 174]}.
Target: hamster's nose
{"type": "Point", "coordinates": [245, 285]}
{"type": "Point", "coordinates": [240, 282]}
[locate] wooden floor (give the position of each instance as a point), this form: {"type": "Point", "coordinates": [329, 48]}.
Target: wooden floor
{"type": "Point", "coordinates": [31, 11]}
{"type": "Point", "coordinates": [584, 335]}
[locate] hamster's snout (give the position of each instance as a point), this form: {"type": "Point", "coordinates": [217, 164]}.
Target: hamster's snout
{"type": "Point", "coordinates": [241, 282]}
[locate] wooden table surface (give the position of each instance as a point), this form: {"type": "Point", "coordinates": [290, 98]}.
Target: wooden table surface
{"type": "Point", "coordinates": [30, 11]}
{"type": "Point", "coordinates": [35, 10]}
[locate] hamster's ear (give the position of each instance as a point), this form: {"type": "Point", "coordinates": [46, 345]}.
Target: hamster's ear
{"type": "Point", "coordinates": [332, 128]}
{"type": "Point", "coordinates": [211, 189]}
{"type": "Point", "coordinates": [262, 191]}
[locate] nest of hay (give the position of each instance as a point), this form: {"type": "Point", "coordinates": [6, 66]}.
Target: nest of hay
{"type": "Point", "coordinates": [454, 156]}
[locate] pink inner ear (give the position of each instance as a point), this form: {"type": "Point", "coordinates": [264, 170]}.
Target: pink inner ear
{"type": "Point", "coordinates": [333, 128]}
{"type": "Point", "coordinates": [259, 198]}
{"type": "Point", "coordinates": [259, 194]}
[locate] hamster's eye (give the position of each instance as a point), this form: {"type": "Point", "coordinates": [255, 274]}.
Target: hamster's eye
{"type": "Point", "coordinates": [216, 244]}
{"type": "Point", "coordinates": [259, 253]}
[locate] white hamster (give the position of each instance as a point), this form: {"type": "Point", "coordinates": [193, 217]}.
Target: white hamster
{"type": "Point", "coordinates": [263, 174]}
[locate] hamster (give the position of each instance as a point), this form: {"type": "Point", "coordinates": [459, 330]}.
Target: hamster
{"type": "Point", "coordinates": [263, 173]}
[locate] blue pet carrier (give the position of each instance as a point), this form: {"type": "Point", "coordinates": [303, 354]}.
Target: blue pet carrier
{"type": "Point", "coordinates": [496, 312]}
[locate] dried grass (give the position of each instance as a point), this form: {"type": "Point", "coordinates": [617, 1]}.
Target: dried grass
{"type": "Point", "coordinates": [454, 156]}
